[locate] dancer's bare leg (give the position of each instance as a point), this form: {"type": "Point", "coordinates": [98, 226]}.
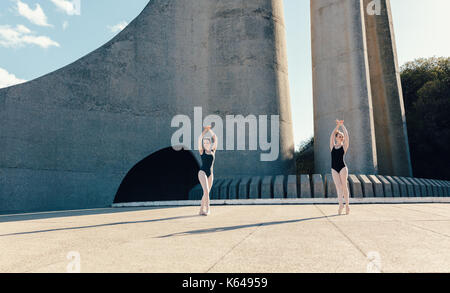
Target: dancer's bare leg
{"type": "Point", "coordinates": [205, 186]}
{"type": "Point", "coordinates": [339, 191]}
{"type": "Point", "coordinates": [344, 181]}
{"type": "Point", "coordinates": [210, 184]}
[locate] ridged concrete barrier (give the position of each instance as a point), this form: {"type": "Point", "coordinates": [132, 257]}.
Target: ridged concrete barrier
{"type": "Point", "coordinates": [319, 186]}
{"type": "Point", "coordinates": [305, 186]}
{"type": "Point", "coordinates": [255, 187]}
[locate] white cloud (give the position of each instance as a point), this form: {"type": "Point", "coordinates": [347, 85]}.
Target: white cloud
{"type": "Point", "coordinates": [8, 79]}
{"type": "Point", "coordinates": [69, 7]}
{"type": "Point", "coordinates": [118, 27]}
{"type": "Point", "coordinates": [36, 16]}
{"type": "Point", "coordinates": [65, 24]}
{"type": "Point", "coordinates": [20, 36]}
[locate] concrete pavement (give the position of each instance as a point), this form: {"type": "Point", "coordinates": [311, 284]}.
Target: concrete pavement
{"type": "Point", "coordinates": [276, 238]}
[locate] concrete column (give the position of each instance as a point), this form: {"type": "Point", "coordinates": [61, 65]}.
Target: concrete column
{"type": "Point", "coordinates": [387, 96]}
{"type": "Point", "coordinates": [341, 83]}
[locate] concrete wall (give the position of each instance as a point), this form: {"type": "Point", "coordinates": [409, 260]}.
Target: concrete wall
{"type": "Point", "coordinates": [69, 137]}
{"type": "Point", "coordinates": [341, 85]}
{"type": "Point", "coordinates": [387, 96]}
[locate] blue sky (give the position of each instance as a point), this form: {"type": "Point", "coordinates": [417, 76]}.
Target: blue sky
{"type": "Point", "coordinates": [35, 40]}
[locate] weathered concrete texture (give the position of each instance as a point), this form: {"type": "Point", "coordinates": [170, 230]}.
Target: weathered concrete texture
{"type": "Point", "coordinates": [402, 186]}
{"type": "Point", "coordinates": [196, 193]}
{"type": "Point", "coordinates": [396, 192]}
{"type": "Point", "coordinates": [293, 186]}
{"type": "Point", "coordinates": [225, 188]}
{"type": "Point", "coordinates": [356, 78]}
{"type": "Point", "coordinates": [416, 186]}
{"type": "Point", "coordinates": [393, 155]}
{"type": "Point", "coordinates": [215, 190]}
{"type": "Point", "coordinates": [318, 187]}
{"type": "Point", "coordinates": [233, 239]}
{"type": "Point", "coordinates": [330, 187]}
{"type": "Point", "coordinates": [409, 187]}
{"type": "Point", "coordinates": [267, 187]}
{"type": "Point", "coordinates": [305, 186]}
{"type": "Point", "coordinates": [233, 190]}
{"type": "Point", "coordinates": [341, 85]}
{"type": "Point", "coordinates": [279, 189]}
{"type": "Point", "coordinates": [76, 132]}
{"type": "Point", "coordinates": [366, 185]}
{"type": "Point", "coordinates": [244, 187]}
{"type": "Point", "coordinates": [387, 186]}
{"type": "Point", "coordinates": [377, 186]}
{"type": "Point", "coordinates": [289, 187]}
{"type": "Point", "coordinates": [356, 190]}
{"type": "Point", "coordinates": [255, 187]}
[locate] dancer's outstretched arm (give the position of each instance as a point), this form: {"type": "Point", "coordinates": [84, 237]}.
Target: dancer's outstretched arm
{"type": "Point", "coordinates": [214, 136]}
{"type": "Point", "coordinates": [333, 136]}
{"type": "Point", "coordinates": [346, 138]}
{"type": "Point", "coordinates": [200, 140]}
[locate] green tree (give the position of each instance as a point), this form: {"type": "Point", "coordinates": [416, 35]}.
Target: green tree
{"type": "Point", "coordinates": [304, 157]}
{"type": "Point", "coordinates": [426, 93]}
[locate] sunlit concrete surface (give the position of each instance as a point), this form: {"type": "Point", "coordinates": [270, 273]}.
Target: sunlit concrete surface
{"type": "Point", "coordinates": [278, 238]}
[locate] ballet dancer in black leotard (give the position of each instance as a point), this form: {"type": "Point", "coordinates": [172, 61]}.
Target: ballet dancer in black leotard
{"type": "Point", "coordinates": [207, 149]}
{"type": "Point", "coordinates": [339, 144]}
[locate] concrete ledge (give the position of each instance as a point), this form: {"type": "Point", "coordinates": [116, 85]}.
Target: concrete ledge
{"type": "Point", "coordinates": [330, 187]}
{"type": "Point", "coordinates": [440, 187]}
{"type": "Point", "coordinates": [396, 192]}
{"type": "Point", "coordinates": [434, 187]}
{"type": "Point", "coordinates": [267, 187]}
{"type": "Point", "coordinates": [409, 187]}
{"type": "Point", "coordinates": [196, 193]}
{"type": "Point", "coordinates": [215, 191]}
{"type": "Point", "coordinates": [278, 187]}
{"type": "Point", "coordinates": [292, 186]}
{"type": "Point", "coordinates": [318, 186]}
{"type": "Point", "coordinates": [281, 201]}
{"type": "Point", "coordinates": [233, 189]}
{"type": "Point", "coordinates": [387, 186]}
{"type": "Point", "coordinates": [377, 186]}
{"type": "Point", "coordinates": [355, 186]}
{"type": "Point", "coordinates": [447, 187]}
{"type": "Point", "coordinates": [416, 186]}
{"type": "Point", "coordinates": [366, 185]}
{"type": "Point", "coordinates": [255, 187]}
{"type": "Point", "coordinates": [244, 188]}
{"type": "Point", "coordinates": [422, 186]}
{"type": "Point", "coordinates": [224, 189]}
{"type": "Point", "coordinates": [305, 186]}
{"type": "Point", "coordinates": [402, 186]}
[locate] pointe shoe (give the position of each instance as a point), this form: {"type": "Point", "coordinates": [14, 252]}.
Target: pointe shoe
{"type": "Point", "coordinates": [347, 211]}
{"type": "Point", "coordinates": [340, 210]}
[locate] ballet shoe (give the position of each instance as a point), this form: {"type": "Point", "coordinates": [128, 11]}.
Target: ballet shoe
{"type": "Point", "coordinates": [340, 210]}
{"type": "Point", "coordinates": [347, 211]}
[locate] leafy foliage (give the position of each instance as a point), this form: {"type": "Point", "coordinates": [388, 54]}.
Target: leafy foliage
{"type": "Point", "coordinates": [426, 93]}
{"type": "Point", "coordinates": [304, 157]}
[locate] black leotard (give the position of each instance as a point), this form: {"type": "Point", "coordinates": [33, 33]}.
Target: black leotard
{"type": "Point", "coordinates": [207, 162]}
{"type": "Point", "coordinates": [337, 159]}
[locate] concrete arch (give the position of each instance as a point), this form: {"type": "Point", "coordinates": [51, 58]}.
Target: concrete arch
{"type": "Point", "coordinates": [164, 175]}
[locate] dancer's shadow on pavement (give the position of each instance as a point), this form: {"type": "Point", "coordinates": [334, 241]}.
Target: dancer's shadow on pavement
{"type": "Point", "coordinates": [98, 225]}
{"type": "Point", "coordinates": [231, 228]}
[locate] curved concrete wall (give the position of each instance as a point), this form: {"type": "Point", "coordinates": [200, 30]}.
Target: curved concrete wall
{"type": "Point", "coordinates": [69, 137]}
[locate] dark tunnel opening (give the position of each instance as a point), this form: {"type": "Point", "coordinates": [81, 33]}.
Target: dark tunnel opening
{"type": "Point", "coordinates": [163, 176]}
